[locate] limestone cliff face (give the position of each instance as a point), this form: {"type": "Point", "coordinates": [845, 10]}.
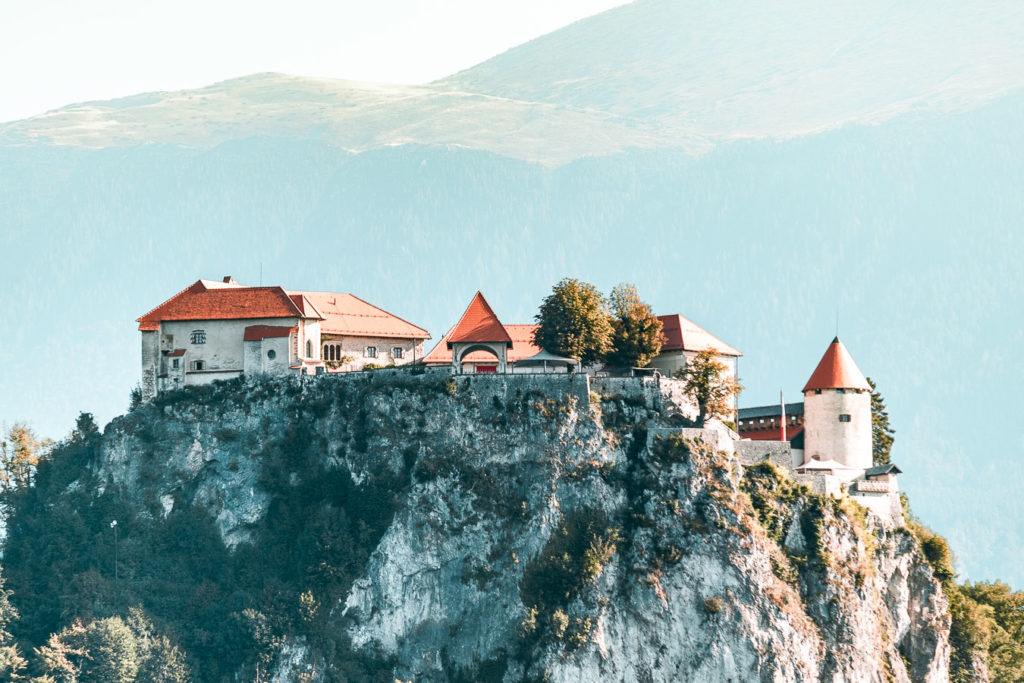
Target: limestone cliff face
{"type": "Point", "coordinates": [550, 529]}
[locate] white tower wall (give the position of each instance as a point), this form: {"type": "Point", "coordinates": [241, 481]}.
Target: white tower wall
{"type": "Point", "coordinates": [828, 438]}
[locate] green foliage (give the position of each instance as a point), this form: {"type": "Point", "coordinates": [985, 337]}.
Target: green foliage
{"type": "Point", "coordinates": [710, 384]}
{"type": "Point", "coordinates": [572, 559]}
{"type": "Point", "coordinates": [111, 650]}
{"type": "Point", "coordinates": [881, 432]}
{"type": "Point", "coordinates": [224, 607]}
{"type": "Point", "coordinates": [636, 331]}
{"type": "Point", "coordinates": [713, 605]}
{"type": "Point", "coordinates": [20, 451]}
{"type": "Point", "coordinates": [450, 386]}
{"type": "Point", "coordinates": [573, 322]}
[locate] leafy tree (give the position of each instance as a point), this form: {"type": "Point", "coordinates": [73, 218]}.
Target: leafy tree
{"type": "Point", "coordinates": [881, 432]}
{"type": "Point", "coordinates": [573, 322]}
{"type": "Point", "coordinates": [636, 331]}
{"type": "Point", "coordinates": [19, 456]}
{"type": "Point", "coordinates": [710, 384]}
{"type": "Point", "coordinates": [12, 664]}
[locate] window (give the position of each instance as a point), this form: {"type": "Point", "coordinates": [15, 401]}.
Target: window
{"type": "Point", "coordinates": [271, 354]}
{"type": "Point", "coordinates": [198, 336]}
{"type": "Point", "coordinates": [175, 363]}
{"type": "Point", "coordinates": [840, 391]}
{"type": "Point", "coordinates": [396, 352]}
{"type": "Point", "coordinates": [817, 391]}
{"type": "Point", "coordinates": [198, 365]}
{"type": "Point", "coordinates": [844, 418]}
{"type": "Point", "coordinates": [332, 352]}
{"type": "Point", "coordinates": [371, 352]}
{"type": "Point", "coordinates": [309, 349]}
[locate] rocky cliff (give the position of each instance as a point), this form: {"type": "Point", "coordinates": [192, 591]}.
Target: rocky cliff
{"type": "Point", "coordinates": [423, 527]}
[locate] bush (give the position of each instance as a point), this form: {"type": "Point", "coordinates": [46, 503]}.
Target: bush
{"type": "Point", "coordinates": [712, 605]}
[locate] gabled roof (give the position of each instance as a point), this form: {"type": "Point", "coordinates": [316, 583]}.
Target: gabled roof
{"type": "Point", "coordinates": [479, 324]}
{"type": "Point", "coordinates": [878, 470]}
{"type": "Point", "coordinates": [682, 334]}
{"type": "Point", "coordinates": [522, 347]}
{"type": "Point", "coordinates": [261, 332]}
{"type": "Point", "coordinates": [211, 300]}
{"type": "Point", "coordinates": [836, 370]}
{"type": "Point", "coordinates": [346, 314]}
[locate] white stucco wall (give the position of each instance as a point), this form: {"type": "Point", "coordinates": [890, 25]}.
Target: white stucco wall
{"type": "Point", "coordinates": [150, 363]}
{"type": "Point", "coordinates": [223, 354]}
{"type": "Point", "coordinates": [355, 347]}
{"type": "Point", "coordinates": [826, 438]}
{"type": "Point", "coordinates": [258, 360]}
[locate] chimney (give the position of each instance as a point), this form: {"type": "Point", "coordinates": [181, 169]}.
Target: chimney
{"type": "Point", "coordinates": [228, 280]}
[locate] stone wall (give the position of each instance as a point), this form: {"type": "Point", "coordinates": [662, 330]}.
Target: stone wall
{"type": "Point", "coordinates": [777, 452]}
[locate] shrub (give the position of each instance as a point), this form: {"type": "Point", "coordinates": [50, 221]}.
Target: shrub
{"type": "Point", "coordinates": [712, 605]}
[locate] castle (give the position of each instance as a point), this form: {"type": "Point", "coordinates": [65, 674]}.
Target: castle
{"type": "Point", "coordinates": [826, 441]}
{"type": "Point", "coordinates": [220, 329]}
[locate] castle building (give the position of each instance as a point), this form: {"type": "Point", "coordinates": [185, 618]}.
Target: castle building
{"type": "Point", "coordinates": [828, 436]}
{"type": "Point", "coordinates": [483, 344]}
{"type": "Point", "coordinates": [219, 330]}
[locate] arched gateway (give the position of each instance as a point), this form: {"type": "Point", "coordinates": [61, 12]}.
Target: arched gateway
{"type": "Point", "coordinates": [479, 330]}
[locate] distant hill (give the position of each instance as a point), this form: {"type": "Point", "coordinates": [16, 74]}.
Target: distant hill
{"type": "Point", "coordinates": [755, 168]}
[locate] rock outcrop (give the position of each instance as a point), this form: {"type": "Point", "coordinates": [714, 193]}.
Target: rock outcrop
{"type": "Point", "coordinates": [539, 528]}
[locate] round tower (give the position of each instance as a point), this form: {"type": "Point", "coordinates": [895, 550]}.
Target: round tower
{"type": "Point", "coordinates": [837, 411]}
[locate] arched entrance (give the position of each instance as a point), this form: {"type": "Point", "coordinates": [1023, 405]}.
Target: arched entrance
{"type": "Point", "coordinates": [461, 350]}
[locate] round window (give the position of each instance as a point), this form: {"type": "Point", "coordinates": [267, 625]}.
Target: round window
{"type": "Point", "coordinates": [271, 354]}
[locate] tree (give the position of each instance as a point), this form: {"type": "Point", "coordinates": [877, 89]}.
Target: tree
{"type": "Point", "coordinates": [636, 331]}
{"type": "Point", "coordinates": [710, 384]}
{"type": "Point", "coordinates": [881, 432]}
{"type": "Point", "coordinates": [12, 664]}
{"type": "Point", "coordinates": [19, 455]}
{"type": "Point", "coordinates": [572, 321]}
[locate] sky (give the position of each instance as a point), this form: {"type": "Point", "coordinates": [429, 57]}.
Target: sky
{"type": "Point", "coordinates": [57, 52]}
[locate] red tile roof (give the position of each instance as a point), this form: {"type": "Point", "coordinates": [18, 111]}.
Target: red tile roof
{"type": "Point", "coordinates": [261, 332]}
{"type": "Point", "coordinates": [682, 334]}
{"type": "Point", "coordinates": [836, 370]}
{"type": "Point", "coordinates": [479, 324]}
{"type": "Point", "coordinates": [345, 314]}
{"type": "Point", "coordinates": [772, 434]}
{"type": "Point", "coordinates": [522, 347]}
{"type": "Point", "coordinates": [176, 353]}
{"type": "Point", "coordinates": [209, 300]}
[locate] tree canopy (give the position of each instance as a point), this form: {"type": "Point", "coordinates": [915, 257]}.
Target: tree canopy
{"type": "Point", "coordinates": [636, 331]}
{"type": "Point", "coordinates": [881, 432]}
{"type": "Point", "coordinates": [20, 452]}
{"type": "Point", "coordinates": [710, 384]}
{"type": "Point", "coordinates": [573, 321]}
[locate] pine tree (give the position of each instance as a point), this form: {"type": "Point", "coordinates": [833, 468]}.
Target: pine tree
{"type": "Point", "coordinates": [881, 431]}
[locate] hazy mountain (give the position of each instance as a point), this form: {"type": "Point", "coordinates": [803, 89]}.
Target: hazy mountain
{"type": "Point", "coordinates": [712, 154]}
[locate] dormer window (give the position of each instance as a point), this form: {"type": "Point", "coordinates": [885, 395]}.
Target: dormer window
{"type": "Point", "coordinates": [198, 337]}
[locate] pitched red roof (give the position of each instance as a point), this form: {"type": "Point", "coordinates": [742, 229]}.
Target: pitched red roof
{"type": "Point", "coordinates": [479, 324]}
{"type": "Point", "coordinates": [682, 334]}
{"type": "Point", "coordinates": [836, 370]}
{"type": "Point", "coordinates": [345, 314]}
{"type": "Point", "coordinates": [261, 332]}
{"type": "Point", "coordinates": [522, 347]}
{"type": "Point", "coordinates": [209, 300]}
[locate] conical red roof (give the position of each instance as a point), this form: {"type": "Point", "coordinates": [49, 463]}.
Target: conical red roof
{"type": "Point", "coordinates": [479, 324]}
{"type": "Point", "coordinates": [837, 371]}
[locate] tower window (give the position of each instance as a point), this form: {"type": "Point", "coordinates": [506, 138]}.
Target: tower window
{"type": "Point", "coordinates": [198, 336]}
{"type": "Point", "coordinates": [271, 354]}
{"type": "Point", "coordinates": [844, 418]}
{"type": "Point", "coordinates": [817, 392]}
